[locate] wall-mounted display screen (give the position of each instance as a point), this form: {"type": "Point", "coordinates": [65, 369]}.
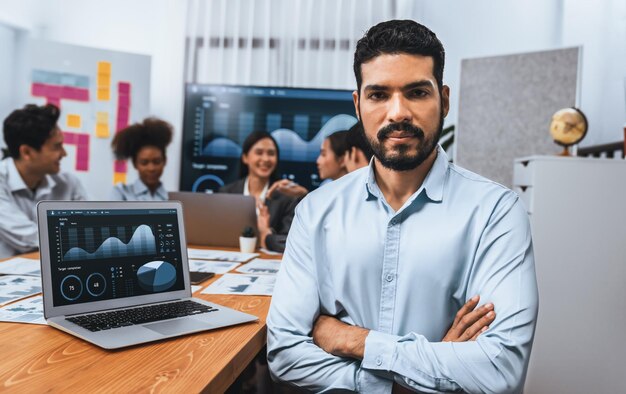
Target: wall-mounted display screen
{"type": "Point", "coordinates": [218, 119]}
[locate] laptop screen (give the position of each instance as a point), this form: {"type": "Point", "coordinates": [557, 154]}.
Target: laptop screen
{"type": "Point", "coordinates": [98, 255]}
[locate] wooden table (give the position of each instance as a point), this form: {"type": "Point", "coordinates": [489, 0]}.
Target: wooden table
{"type": "Point", "coordinates": [36, 358]}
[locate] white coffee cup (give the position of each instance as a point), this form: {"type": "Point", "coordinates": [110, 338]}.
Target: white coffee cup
{"type": "Point", "coordinates": [247, 244]}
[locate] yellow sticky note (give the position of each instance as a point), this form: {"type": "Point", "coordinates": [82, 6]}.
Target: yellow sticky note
{"type": "Point", "coordinates": [73, 121]}
{"type": "Point", "coordinates": [119, 177]}
{"type": "Point", "coordinates": [104, 80]}
{"type": "Point", "coordinates": [102, 130]}
{"type": "Point", "coordinates": [102, 125]}
{"type": "Point", "coordinates": [104, 94]}
{"type": "Point", "coordinates": [104, 68]}
{"type": "Point", "coordinates": [102, 117]}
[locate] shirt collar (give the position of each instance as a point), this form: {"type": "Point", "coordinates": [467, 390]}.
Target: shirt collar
{"type": "Point", "coordinates": [15, 179]}
{"type": "Point", "coordinates": [140, 188]}
{"type": "Point", "coordinates": [17, 183]}
{"type": "Point", "coordinates": [433, 183]}
{"type": "Point", "coordinates": [246, 190]}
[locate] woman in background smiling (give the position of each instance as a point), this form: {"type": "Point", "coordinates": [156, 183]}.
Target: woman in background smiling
{"type": "Point", "coordinates": [258, 169]}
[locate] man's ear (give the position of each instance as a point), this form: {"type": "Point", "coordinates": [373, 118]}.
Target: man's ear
{"type": "Point", "coordinates": [26, 152]}
{"type": "Point", "coordinates": [445, 100]}
{"type": "Point", "coordinates": [355, 99]}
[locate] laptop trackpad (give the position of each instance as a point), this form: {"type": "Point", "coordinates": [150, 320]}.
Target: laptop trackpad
{"type": "Point", "coordinates": [178, 326]}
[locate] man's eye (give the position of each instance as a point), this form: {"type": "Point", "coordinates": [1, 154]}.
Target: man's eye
{"type": "Point", "coordinates": [376, 96]}
{"type": "Point", "coordinates": [418, 93]}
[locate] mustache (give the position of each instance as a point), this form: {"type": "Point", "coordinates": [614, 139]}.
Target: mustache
{"type": "Point", "coordinates": [408, 129]}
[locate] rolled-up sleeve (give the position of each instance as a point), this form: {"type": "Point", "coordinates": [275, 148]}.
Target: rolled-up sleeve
{"type": "Point", "coordinates": [292, 355]}
{"type": "Point", "coordinates": [503, 272]}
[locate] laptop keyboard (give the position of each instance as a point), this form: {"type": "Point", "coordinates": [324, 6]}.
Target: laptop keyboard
{"type": "Point", "coordinates": [145, 314]}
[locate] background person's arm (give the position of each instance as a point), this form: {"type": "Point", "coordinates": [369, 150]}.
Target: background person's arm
{"type": "Point", "coordinates": [275, 238]}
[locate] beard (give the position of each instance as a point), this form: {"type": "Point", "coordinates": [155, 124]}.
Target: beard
{"type": "Point", "coordinates": [402, 157]}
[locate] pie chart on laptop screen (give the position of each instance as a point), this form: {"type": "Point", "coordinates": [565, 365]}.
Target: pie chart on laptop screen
{"type": "Point", "coordinates": [156, 276]}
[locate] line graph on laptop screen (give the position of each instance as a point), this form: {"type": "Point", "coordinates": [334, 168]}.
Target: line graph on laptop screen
{"type": "Point", "coordinates": [105, 254]}
{"type": "Point", "coordinates": [101, 242]}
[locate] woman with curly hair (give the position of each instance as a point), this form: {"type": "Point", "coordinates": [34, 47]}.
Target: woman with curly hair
{"type": "Point", "coordinates": [145, 144]}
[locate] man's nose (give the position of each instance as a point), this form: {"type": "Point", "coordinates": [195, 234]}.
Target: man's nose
{"type": "Point", "coordinates": [398, 109]}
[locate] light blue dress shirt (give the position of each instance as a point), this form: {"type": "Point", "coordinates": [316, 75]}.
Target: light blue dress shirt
{"type": "Point", "coordinates": [404, 275]}
{"type": "Point", "coordinates": [18, 206]}
{"type": "Point", "coordinates": [137, 191]}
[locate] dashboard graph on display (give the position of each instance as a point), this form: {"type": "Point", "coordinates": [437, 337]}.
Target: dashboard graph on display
{"type": "Point", "coordinates": [107, 254]}
{"type": "Point", "coordinates": [218, 119]}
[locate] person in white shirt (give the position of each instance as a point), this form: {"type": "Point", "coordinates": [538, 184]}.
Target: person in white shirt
{"type": "Point", "coordinates": [145, 144]}
{"type": "Point", "coordinates": [30, 174]}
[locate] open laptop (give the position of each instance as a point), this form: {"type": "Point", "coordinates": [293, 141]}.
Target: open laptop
{"type": "Point", "coordinates": [216, 219]}
{"type": "Point", "coordinates": [116, 273]}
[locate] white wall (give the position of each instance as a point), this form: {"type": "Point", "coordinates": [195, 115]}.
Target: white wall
{"type": "Point", "coordinates": [600, 26]}
{"type": "Point", "coordinates": [7, 49]}
{"type": "Point", "coordinates": [23, 14]}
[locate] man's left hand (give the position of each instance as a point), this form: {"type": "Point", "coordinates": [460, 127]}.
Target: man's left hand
{"type": "Point", "coordinates": [338, 338]}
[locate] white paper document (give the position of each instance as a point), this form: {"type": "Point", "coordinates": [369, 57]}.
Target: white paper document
{"type": "Point", "coordinates": [270, 252]}
{"type": "Point", "coordinates": [195, 288]}
{"type": "Point", "coordinates": [25, 311]}
{"type": "Point", "coordinates": [220, 255]}
{"type": "Point", "coordinates": [219, 267]}
{"type": "Point", "coordinates": [20, 266]}
{"type": "Point", "coordinates": [240, 284]}
{"type": "Point", "coordinates": [14, 287]}
{"type": "Point", "coordinates": [260, 266]}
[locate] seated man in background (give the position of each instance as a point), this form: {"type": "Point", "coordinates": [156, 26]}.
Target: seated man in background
{"type": "Point", "coordinates": [31, 174]}
{"type": "Point", "coordinates": [358, 152]}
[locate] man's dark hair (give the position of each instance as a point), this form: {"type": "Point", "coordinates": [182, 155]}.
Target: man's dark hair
{"type": "Point", "coordinates": [31, 125]}
{"type": "Point", "coordinates": [151, 132]}
{"type": "Point", "coordinates": [338, 142]}
{"type": "Point", "coordinates": [356, 138]}
{"type": "Point", "coordinates": [396, 37]}
{"type": "Point", "coordinates": [248, 143]}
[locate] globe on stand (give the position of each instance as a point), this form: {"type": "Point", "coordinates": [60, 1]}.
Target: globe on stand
{"type": "Point", "coordinates": [568, 127]}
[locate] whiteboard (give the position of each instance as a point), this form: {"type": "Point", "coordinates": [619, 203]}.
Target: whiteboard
{"type": "Point", "coordinates": [46, 65]}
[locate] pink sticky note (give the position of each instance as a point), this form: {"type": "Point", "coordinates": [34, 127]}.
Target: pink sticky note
{"type": "Point", "coordinates": [81, 141]}
{"type": "Point", "coordinates": [123, 88]}
{"type": "Point", "coordinates": [72, 93]}
{"type": "Point", "coordinates": [69, 138]}
{"type": "Point", "coordinates": [54, 91]}
{"type": "Point", "coordinates": [123, 101]}
{"type": "Point", "coordinates": [122, 112]}
{"type": "Point", "coordinates": [120, 166]}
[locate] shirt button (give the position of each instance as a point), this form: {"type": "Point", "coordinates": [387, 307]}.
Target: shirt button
{"type": "Point", "coordinates": [379, 361]}
{"type": "Point", "coordinates": [389, 278]}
